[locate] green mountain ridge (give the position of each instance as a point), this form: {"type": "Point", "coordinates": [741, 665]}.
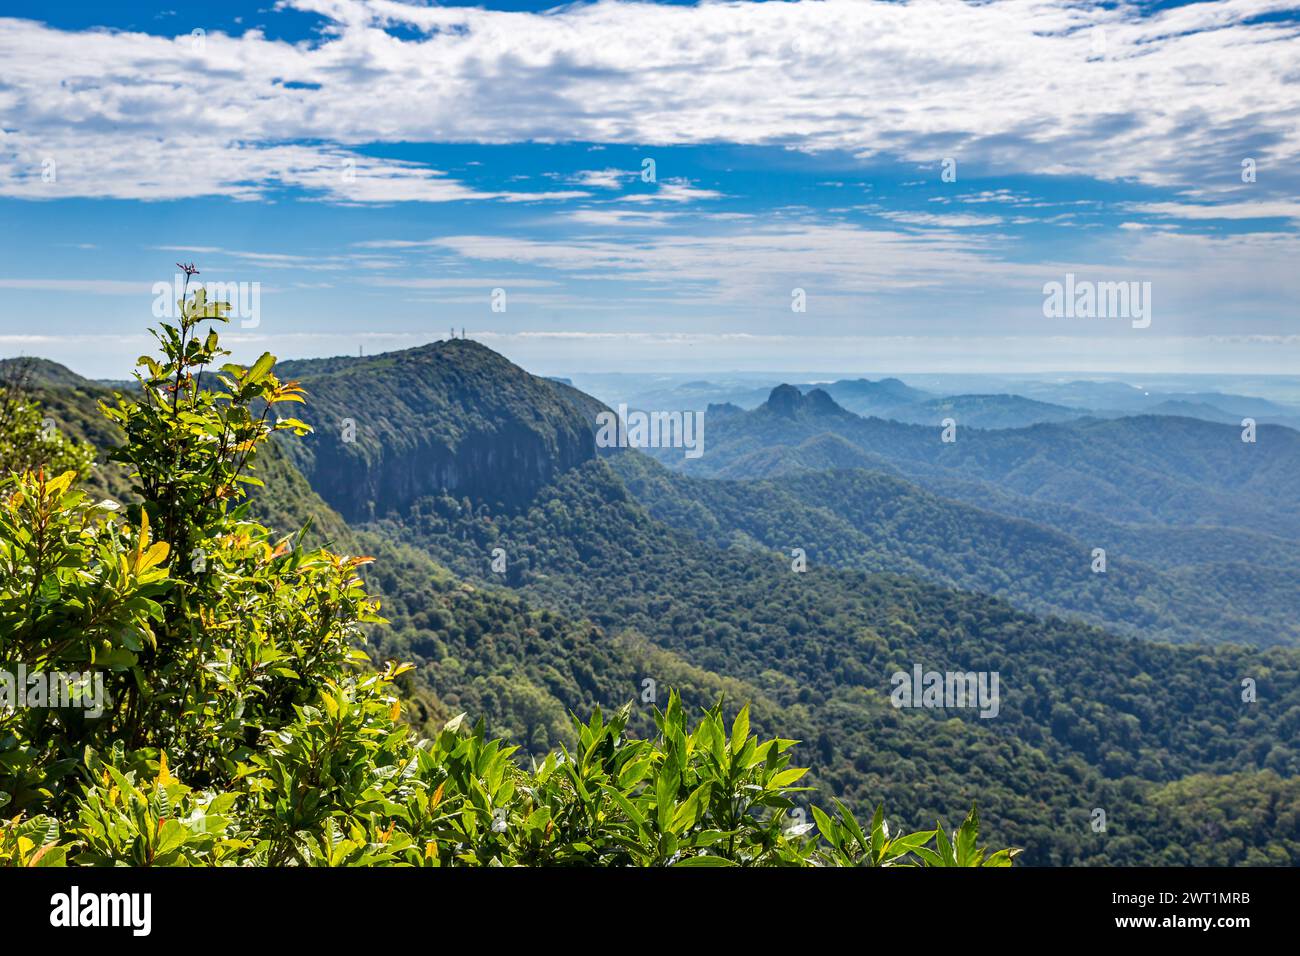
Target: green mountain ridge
{"type": "Point", "coordinates": [876, 522]}
{"type": "Point", "coordinates": [1110, 712]}
{"type": "Point", "coordinates": [983, 411]}
{"type": "Point", "coordinates": [390, 428]}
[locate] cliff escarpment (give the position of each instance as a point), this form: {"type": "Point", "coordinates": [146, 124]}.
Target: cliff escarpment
{"type": "Point", "coordinates": [452, 417]}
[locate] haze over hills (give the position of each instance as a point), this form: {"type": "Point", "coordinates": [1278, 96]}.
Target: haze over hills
{"type": "Point", "coordinates": [983, 411]}
{"type": "Point", "coordinates": [616, 570]}
{"type": "Point", "coordinates": [976, 401]}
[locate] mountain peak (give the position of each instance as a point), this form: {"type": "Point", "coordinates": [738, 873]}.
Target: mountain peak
{"type": "Point", "coordinates": [784, 400]}
{"type": "Point", "coordinates": [819, 402]}
{"type": "Point", "coordinates": [788, 402]}
{"type": "Point", "coordinates": [452, 417]}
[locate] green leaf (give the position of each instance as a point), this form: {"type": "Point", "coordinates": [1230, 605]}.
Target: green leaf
{"type": "Point", "coordinates": [967, 835]}
{"type": "Point", "coordinates": [786, 777]}
{"type": "Point", "coordinates": [51, 856]}
{"type": "Point", "coordinates": [692, 808]}
{"type": "Point", "coordinates": [260, 368]}
{"type": "Point", "coordinates": [704, 861]}
{"type": "Point", "coordinates": [665, 793]}
{"type": "Point", "coordinates": [740, 730]}
{"type": "Point", "coordinates": [945, 848]}
{"type": "Point", "coordinates": [829, 832]}
{"type": "Point", "coordinates": [170, 837]}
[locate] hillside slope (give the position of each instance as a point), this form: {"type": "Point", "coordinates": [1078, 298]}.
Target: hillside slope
{"type": "Point", "coordinates": [877, 522]}
{"type": "Point", "coordinates": [453, 416]}
{"type": "Point", "coordinates": [1078, 704]}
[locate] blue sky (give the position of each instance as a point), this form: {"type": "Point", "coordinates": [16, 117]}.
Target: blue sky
{"type": "Point", "coordinates": [380, 168]}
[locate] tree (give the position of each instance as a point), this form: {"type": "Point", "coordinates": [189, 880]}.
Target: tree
{"type": "Point", "coordinates": [28, 439]}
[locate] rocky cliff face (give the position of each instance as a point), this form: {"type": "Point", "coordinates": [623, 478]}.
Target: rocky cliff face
{"type": "Point", "coordinates": [787, 401]}
{"type": "Point", "coordinates": [507, 465]}
{"type": "Point", "coordinates": [453, 417]}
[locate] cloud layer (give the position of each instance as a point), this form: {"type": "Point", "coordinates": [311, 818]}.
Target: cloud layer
{"type": "Point", "coordinates": [1177, 98]}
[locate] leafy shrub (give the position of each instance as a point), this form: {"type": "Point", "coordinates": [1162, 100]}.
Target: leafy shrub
{"type": "Point", "coordinates": [28, 442]}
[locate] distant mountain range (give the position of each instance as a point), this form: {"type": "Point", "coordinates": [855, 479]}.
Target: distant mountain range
{"type": "Point", "coordinates": [1175, 471]}
{"type": "Point", "coordinates": [1031, 402]}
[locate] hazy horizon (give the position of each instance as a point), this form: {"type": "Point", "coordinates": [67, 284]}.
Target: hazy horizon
{"type": "Point", "coordinates": [1280, 387]}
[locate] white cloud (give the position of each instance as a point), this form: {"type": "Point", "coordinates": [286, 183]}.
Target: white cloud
{"type": "Point", "coordinates": [602, 178]}
{"type": "Point", "coordinates": [941, 220]}
{"type": "Point", "coordinates": [567, 352]}
{"type": "Point", "coordinates": [1181, 96]}
{"type": "Point", "coordinates": [754, 264]}
{"type": "Point", "coordinates": [472, 282]}
{"type": "Point", "coordinates": [1236, 210]}
{"type": "Point", "coordinates": [612, 216]}
{"type": "Point", "coordinates": [84, 286]}
{"type": "Point", "coordinates": [265, 260]}
{"type": "Point", "coordinates": [674, 190]}
{"type": "Point", "coordinates": [1000, 196]}
{"type": "Point", "coordinates": [738, 276]}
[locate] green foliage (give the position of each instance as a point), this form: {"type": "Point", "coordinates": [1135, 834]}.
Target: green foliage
{"type": "Point", "coordinates": [29, 441]}
{"type": "Point", "coordinates": [31, 842]}
{"type": "Point", "coordinates": [75, 593]}
{"type": "Point", "coordinates": [876, 522]}
{"type": "Point", "coordinates": [849, 845]}
{"type": "Point", "coordinates": [346, 784]}
{"type": "Point", "coordinates": [204, 628]}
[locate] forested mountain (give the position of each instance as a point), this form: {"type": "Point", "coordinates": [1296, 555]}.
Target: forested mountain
{"type": "Point", "coordinates": [393, 427]}
{"type": "Point", "coordinates": [1141, 489]}
{"type": "Point", "coordinates": [42, 373]}
{"type": "Point", "coordinates": [983, 411]}
{"type": "Point", "coordinates": [69, 404]}
{"type": "Point", "coordinates": [891, 399]}
{"type": "Point", "coordinates": [583, 579]}
{"type": "Point", "coordinates": [866, 397]}
{"type": "Point", "coordinates": [1086, 706]}
{"type": "Point", "coordinates": [230, 716]}
{"type": "Point", "coordinates": [879, 522]}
